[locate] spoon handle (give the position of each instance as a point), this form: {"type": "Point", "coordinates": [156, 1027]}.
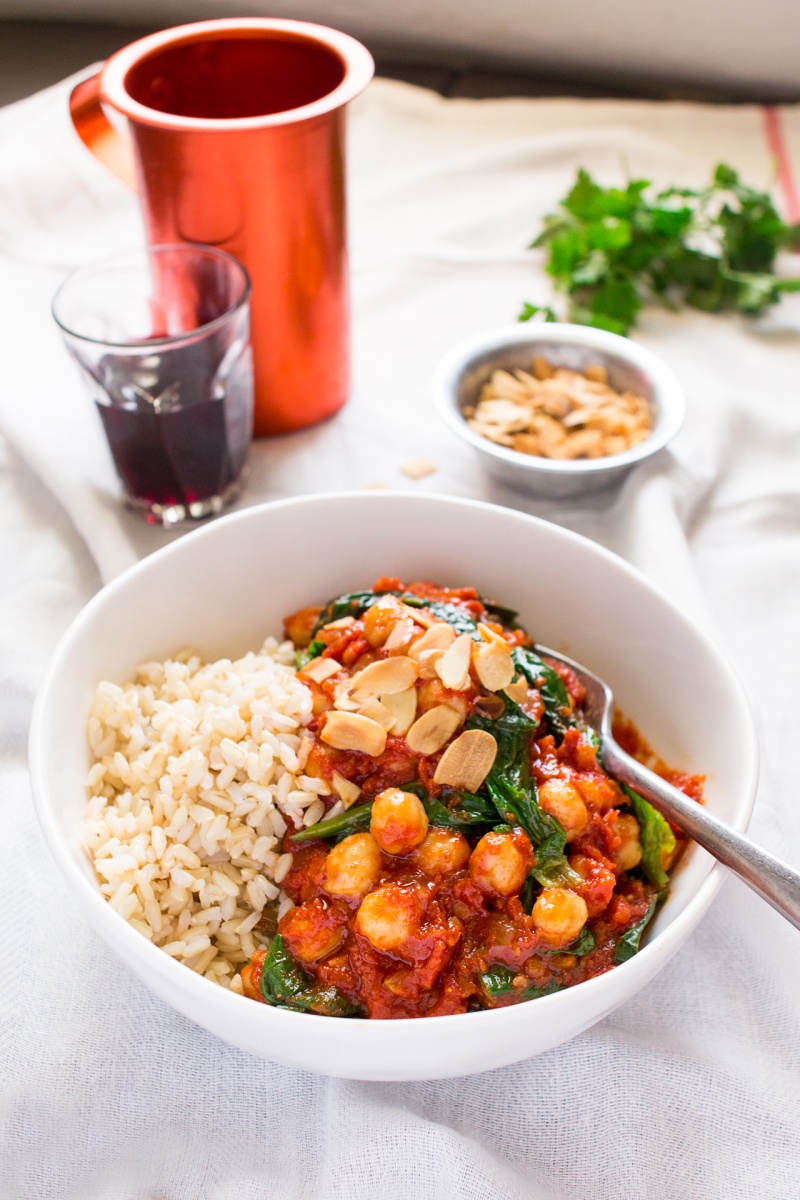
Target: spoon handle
{"type": "Point", "coordinates": [774, 880]}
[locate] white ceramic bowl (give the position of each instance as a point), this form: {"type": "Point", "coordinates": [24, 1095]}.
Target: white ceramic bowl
{"type": "Point", "coordinates": [462, 373]}
{"type": "Point", "coordinates": [224, 587]}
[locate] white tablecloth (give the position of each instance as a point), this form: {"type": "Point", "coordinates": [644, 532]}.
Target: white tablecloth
{"type": "Point", "coordinates": [692, 1090]}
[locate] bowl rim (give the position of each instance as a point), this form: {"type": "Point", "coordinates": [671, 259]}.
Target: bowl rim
{"type": "Point", "coordinates": [668, 394]}
{"type": "Point", "coordinates": [113, 927]}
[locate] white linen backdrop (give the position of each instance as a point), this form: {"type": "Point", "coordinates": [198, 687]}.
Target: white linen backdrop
{"type": "Point", "coordinates": [691, 1090]}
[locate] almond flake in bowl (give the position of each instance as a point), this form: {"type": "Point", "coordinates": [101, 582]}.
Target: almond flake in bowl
{"type": "Point", "coordinates": [553, 412]}
{"type": "Point", "coordinates": [197, 774]}
{"type": "Point", "coordinates": [558, 410]}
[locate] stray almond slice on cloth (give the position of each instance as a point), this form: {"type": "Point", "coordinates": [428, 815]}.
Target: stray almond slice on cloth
{"type": "Point", "coordinates": [389, 675]}
{"type": "Point", "coordinates": [418, 468]}
{"type": "Point", "coordinates": [433, 729]}
{"type": "Point", "coordinates": [403, 706]}
{"type": "Point", "coordinates": [518, 692]}
{"type": "Point", "coordinates": [347, 792]}
{"type": "Point", "coordinates": [453, 667]}
{"type": "Point", "coordinates": [467, 761]}
{"type": "Point", "coordinates": [320, 669]}
{"type": "Point", "coordinates": [351, 731]}
{"type": "Point", "coordinates": [440, 636]}
{"type": "Point", "coordinates": [376, 711]}
{"type": "Point", "coordinates": [493, 666]}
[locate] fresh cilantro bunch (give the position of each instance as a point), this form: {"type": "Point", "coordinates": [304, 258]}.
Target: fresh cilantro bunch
{"type": "Point", "coordinates": [613, 250]}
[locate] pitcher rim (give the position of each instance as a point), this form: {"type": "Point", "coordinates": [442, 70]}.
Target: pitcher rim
{"type": "Point", "coordinates": [359, 68]}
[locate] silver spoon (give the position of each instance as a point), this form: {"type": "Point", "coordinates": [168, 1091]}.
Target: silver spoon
{"type": "Point", "coordinates": [774, 880]}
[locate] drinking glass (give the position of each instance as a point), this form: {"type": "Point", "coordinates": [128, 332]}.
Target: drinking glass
{"type": "Point", "coordinates": [162, 338]}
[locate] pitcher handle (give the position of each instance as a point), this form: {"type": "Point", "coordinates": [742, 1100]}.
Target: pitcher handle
{"type": "Point", "coordinates": [97, 133]}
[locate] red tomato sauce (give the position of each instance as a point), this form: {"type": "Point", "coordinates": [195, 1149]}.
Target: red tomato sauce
{"type": "Point", "coordinates": [460, 920]}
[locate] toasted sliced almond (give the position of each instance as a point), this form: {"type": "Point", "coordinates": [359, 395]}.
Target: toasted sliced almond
{"type": "Point", "coordinates": [351, 731]}
{"type": "Point", "coordinates": [376, 711]}
{"type": "Point", "coordinates": [491, 635]}
{"type": "Point", "coordinates": [343, 701]}
{"type": "Point", "coordinates": [428, 661]}
{"type": "Point", "coordinates": [433, 729]}
{"type": "Point", "coordinates": [440, 636]}
{"type": "Point", "coordinates": [493, 666]}
{"type": "Point", "coordinates": [342, 623]}
{"type": "Point", "coordinates": [453, 667]}
{"type": "Point", "coordinates": [389, 675]}
{"type": "Point", "coordinates": [422, 618]}
{"type": "Point", "coordinates": [320, 669]}
{"type": "Point", "coordinates": [467, 761]}
{"type": "Point", "coordinates": [491, 706]}
{"type": "Point", "coordinates": [347, 792]}
{"type": "Point", "coordinates": [403, 706]}
{"type": "Point", "coordinates": [518, 692]}
{"type": "Point", "coordinates": [401, 635]}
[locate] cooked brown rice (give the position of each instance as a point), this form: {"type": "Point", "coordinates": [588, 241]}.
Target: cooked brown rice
{"type": "Point", "coordinates": [198, 770]}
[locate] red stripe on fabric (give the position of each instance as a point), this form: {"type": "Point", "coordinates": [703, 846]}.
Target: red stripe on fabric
{"type": "Point", "coordinates": [778, 149]}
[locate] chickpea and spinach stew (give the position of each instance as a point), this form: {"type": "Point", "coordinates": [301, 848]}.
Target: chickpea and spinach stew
{"type": "Point", "coordinates": [474, 853]}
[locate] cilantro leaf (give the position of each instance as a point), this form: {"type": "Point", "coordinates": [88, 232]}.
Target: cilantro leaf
{"type": "Point", "coordinates": [613, 250]}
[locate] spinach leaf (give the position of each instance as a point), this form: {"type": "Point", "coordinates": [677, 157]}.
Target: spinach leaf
{"type": "Point", "coordinates": [286, 985]}
{"type": "Point", "coordinates": [416, 788]}
{"type": "Point", "coordinates": [513, 792]}
{"type": "Point", "coordinates": [509, 783]}
{"type": "Point", "coordinates": [456, 810]}
{"type": "Point", "coordinates": [551, 688]}
{"type": "Point", "coordinates": [355, 820]}
{"type": "Point", "coordinates": [591, 736]}
{"type": "Point", "coordinates": [628, 944]}
{"type": "Point", "coordinates": [527, 896]}
{"type": "Point", "coordinates": [303, 657]}
{"type": "Point", "coordinates": [460, 810]}
{"type": "Point", "coordinates": [499, 612]}
{"type": "Point", "coordinates": [585, 943]}
{"type": "Point", "coordinates": [658, 840]}
{"type": "Point", "coordinates": [461, 621]}
{"type": "Point", "coordinates": [351, 604]}
{"type": "Point", "coordinates": [551, 868]}
{"type": "Point", "coordinates": [497, 984]}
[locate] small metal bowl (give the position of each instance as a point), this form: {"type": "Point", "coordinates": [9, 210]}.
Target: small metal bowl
{"type": "Point", "coordinates": [462, 373]}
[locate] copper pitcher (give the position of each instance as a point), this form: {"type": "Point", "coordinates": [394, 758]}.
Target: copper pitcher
{"type": "Point", "coordinates": [237, 140]}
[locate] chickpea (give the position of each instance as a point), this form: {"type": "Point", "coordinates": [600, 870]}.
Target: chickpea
{"type": "Point", "coordinates": [353, 867]}
{"type": "Point", "coordinates": [442, 852]}
{"type": "Point", "coordinates": [599, 881]}
{"type": "Point", "coordinates": [599, 792]}
{"type": "Point", "coordinates": [389, 916]}
{"type": "Point", "coordinates": [399, 821]}
{"type": "Point", "coordinates": [629, 854]}
{"type": "Point", "coordinates": [564, 802]}
{"type": "Point", "coordinates": [500, 862]}
{"type": "Point", "coordinates": [312, 931]}
{"type": "Point", "coordinates": [298, 626]}
{"type": "Point", "coordinates": [381, 618]}
{"type": "Point", "coordinates": [433, 692]}
{"type": "Point", "coordinates": [560, 914]}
